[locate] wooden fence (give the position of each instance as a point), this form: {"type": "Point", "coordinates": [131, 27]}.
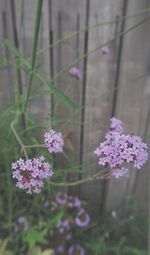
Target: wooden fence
{"type": "Point", "coordinates": [116, 84]}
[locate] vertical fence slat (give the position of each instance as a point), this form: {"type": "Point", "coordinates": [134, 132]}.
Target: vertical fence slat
{"type": "Point", "coordinates": [68, 16]}
{"type": "Point", "coordinates": [100, 77]}
{"type": "Point", "coordinates": [6, 73]}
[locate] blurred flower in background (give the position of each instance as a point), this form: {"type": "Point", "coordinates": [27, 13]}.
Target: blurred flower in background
{"type": "Point", "coordinates": [82, 219]}
{"type": "Point", "coordinates": [105, 50]}
{"type": "Point", "coordinates": [75, 72]}
{"type": "Point", "coordinates": [21, 224]}
{"type": "Point", "coordinates": [76, 249]}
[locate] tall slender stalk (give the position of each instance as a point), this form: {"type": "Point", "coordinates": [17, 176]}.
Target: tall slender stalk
{"type": "Point", "coordinates": [34, 48]}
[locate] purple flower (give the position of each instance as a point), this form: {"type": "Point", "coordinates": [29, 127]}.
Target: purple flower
{"type": "Point", "coordinates": [53, 141]}
{"type": "Point", "coordinates": [75, 72]}
{"type": "Point", "coordinates": [82, 219]}
{"type": "Point", "coordinates": [64, 224]}
{"type": "Point", "coordinates": [60, 249]}
{"type": "Point", "coordinates": [120, 172]}
{"type": "Point", "coordinates": [119, 149]}
{"type": "Point", "coordinates": [76, 249]}
{"type": "Point", "coordinates": [105, 50]}
{"type": "Point", "coordinates": [116, 125]}
{"type": "Point", "coordinates": [61, 198]}
{"type": "Point", "coordinates": [64, 229]}
{"type": "Point", "coordinates": [73, 202]}
{"type": "Point", "coordinates": [46, 204]}
{"type": "Point", "coordinates": [22, 223]}
{"type": "Point", "coordinates": [30, 174]}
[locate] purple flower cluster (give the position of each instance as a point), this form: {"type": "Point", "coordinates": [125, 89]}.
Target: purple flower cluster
{"type": "Point", "coordinates": [30, 174]}
{"type": "Point", "coordinates": [53, 141]}
{"type": "Point", "coordinates": [75, 72]}
{"type": "Point", "coordinates": [119, 149]}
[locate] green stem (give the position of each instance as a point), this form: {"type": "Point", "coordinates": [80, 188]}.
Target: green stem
{"type": "Point", "coordinates": [18, 138]}
{"type": "Point", "coordinates": [89, 178]}
{"type": "Point", "coordinates": [77, 60]}
{"type": "Point", "coordinates": [10, 195]}
{"type": "Point", "coordinates": [34, 48]}
{"type": "Point", "coordinates": [68, 37]}
{"type": "Point", "coordinates": [34, 146]}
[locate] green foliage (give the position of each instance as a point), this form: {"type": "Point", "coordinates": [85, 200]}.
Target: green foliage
{"type": "Point", "coordinates": [35, 236]}
{"type": "Point", "coordinates": [123, 236]}
{"type": "Point", "coordinates": [40, 75]}
{"type": "Point", "coordinates": [35, 250]}
{"type": "Point", "coordinates": [120, 236]}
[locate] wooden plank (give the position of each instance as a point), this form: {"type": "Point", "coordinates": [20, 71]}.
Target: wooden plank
{"type": "Point", "coordinates": [142, 180]}
{"type": "Point", "coordinates": [130, 97]}
{"type": "Point", "coordinates": [68, 16]}
{"type": "Point", "coordinates": [100, 76]}
{"type": "Point", "coordinates": [6, 73]}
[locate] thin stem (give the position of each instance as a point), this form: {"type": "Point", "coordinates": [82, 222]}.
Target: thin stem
{"type": "Point", "coordinates": [34, 48]}
{"type": "Point", "coordinates": [18, 138]}
{"type": "Point", "coordinates": [68, 37]}
{"type": "Point", "coordinates": [34, 146]}
{"type": "Point", "coordinates": [76, 61]}
{"type": "Point", "coordinates": [89, 178]}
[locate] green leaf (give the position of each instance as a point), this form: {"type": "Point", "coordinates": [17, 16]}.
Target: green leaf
{"type": "Point", "coordinates": [41, 76]}
{"type": "Point", "coordinates": [54, 221]}
{"type": "Point", "coordinates": [8, 253]}
{"type": "Point", "coordinates": [34, 236]}
{"type": "Point", "coordinates": [35, 250]}
{"type": "Point", "coordinates": [3, 245]}
{"type": "Point", "coordinates": [48, 252]}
